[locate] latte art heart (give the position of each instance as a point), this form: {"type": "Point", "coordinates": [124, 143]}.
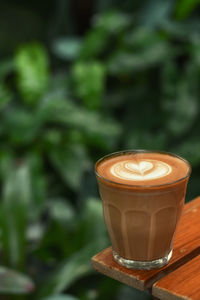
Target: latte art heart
{"type": "Point", "coordinates": [142, 170]}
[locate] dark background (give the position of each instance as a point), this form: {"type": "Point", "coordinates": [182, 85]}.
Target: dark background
{"type": "Point", "coordinates": [78, 80]}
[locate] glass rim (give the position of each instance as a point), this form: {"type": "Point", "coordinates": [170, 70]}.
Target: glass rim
{"type": "Point", "coordinates": [119, 153]}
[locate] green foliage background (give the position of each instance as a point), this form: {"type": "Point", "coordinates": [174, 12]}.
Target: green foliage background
{"type": "Point", "coordinates": [78, 81]}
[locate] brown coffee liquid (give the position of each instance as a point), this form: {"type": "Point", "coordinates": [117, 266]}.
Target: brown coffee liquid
{"type": "Point", "coordinates": [143, 196]}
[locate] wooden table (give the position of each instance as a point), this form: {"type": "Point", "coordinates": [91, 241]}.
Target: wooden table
{"type": "Point", "coordinates": [180, 279]}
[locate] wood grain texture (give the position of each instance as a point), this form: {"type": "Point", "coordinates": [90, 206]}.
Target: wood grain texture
{"type": "Point", "coordinates": [183, 283]}
{"type": "Point", "coordinates": [186, 247]}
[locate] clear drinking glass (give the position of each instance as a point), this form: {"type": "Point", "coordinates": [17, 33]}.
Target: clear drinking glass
{"type": "Point", "coordinates": [142, 220]}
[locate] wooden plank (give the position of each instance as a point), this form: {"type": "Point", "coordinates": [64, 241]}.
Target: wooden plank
{"type": "Point", "coordinates": [183, 283]}
{"type": "Point", "coordinates": [186, 247]}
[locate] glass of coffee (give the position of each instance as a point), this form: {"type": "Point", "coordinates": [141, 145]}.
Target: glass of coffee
{"type": "Point", "coordinates": [143, 195]}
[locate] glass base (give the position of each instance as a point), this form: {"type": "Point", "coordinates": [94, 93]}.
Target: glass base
{"type": "Point", "coordinates": [142, 265]}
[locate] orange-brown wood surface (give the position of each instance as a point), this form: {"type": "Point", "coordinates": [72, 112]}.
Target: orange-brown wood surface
{"type": "Point", "coordinates": [186, 247]}
{"type": "Point", "coordinates": [183, 283]}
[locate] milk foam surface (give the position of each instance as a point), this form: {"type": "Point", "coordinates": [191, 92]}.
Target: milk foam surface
{"type": "Point", "coordinates": [140, 168]}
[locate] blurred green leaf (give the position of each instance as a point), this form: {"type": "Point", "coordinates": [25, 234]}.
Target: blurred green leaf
{"type": "Point", "coordinates": [143, 48]}
{"type": "Point", "coordinates": [52, 241]}
{"type": "Point", "coordinates": [143, 39]}
{"type": "Point", "coordinates": [12, 282]}
{"type": "Point", "coordinates": [91, 237]}
{"type": "Point", "coordinates": [107, 288]}
{"type": "Point", "coordinates": [185, 7]}
{"type": "Point", "coordinates": [61, 297]}
{"type": "Point", "coordinates": [126, 292]}
{"type": "Point", "coordinates": [105, 26]}
{"type": "Point", "coordinates": [89, 79]}
{"type": "Point", "coordinates": [194, 50]}
{"type": "Point", "coordinates": [14, 214]}
{"type": "Point", "coordinates": [76, 266]}
{"type": "Point", "coordinates": [67, 48]}
{"type": "Point", "coordinates": [6, 67]}
{"type": "Point", "coordinates": [91, 226]}
{"type": "Point", "coordinates": [180, 102]}
{"type": "Point", "coordinates": [139, 139]}
{"type": "Point", "coordinates": [59, 85]}
{"type": "Point", "coordinates": [38, 184]}
{"type": "Point", "coordinates": [112, 21]}
{"type": "Point", "coordinates": [190, 150]}
{"type": "Point", "coordinates": [32, 72]}
{"type": "Point", "coordinates": [5, 96]}
{"type": "Point", "coordinates": [20, 125]}
{"type": "Point", "coordinates": [183, 32]}
{"type": "Point", "coordinates": [61, 211]}
{"type": "Point", "coordinates": [70, 162]}
{"type": "Point", "coordinates": [103, 5]}
{"type": "Point", "coordinates": [94, 44]}
{"type": "Point", "coordinates": [155, 12]}
{"type": "Point", "coordinates": [182, 112]}
{"type": "Point", "coordinates": [6, 162]}
{"type": "Point", "coordinates": [67, 113]}
{"type": "Point", "coordinates": [34, 233]}
{"type": "Point", "coordinates": [125, 62]}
